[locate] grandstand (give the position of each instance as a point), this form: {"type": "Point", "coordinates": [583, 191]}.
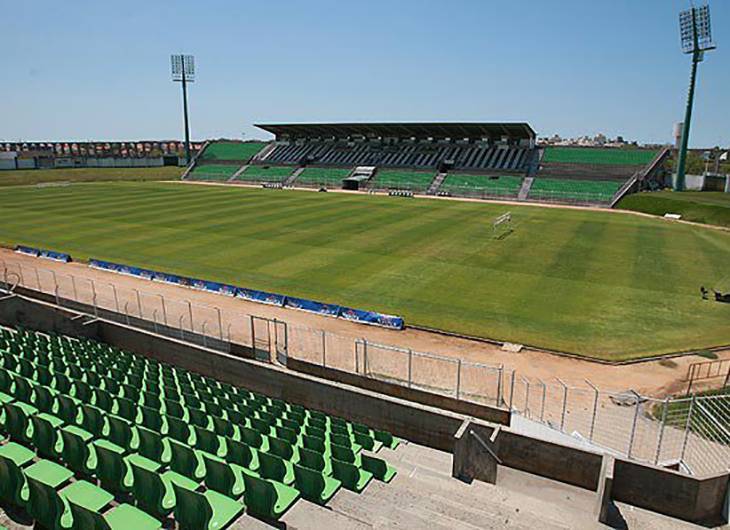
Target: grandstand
{"type": "Point", "coordinates": [165, 440]}
{"type": "Point", "coordinates": [479, 160]}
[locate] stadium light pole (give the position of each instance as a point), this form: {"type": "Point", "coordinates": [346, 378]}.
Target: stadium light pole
{"type": "Point", "coordinates": [183, 71]}
{"type": "Point", "coordinates": [696, 36]}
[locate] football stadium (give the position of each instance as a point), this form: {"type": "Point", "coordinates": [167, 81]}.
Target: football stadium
{"type": "Point", "coordinates": [364, 324]}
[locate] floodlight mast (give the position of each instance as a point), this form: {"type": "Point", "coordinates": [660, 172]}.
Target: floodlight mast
{"type": "Point", "coordinates": [694, 25]}
{"type": "Point", "coordinates": [183, 70]}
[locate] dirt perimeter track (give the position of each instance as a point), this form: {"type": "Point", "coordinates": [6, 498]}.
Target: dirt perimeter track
{"type": "Point", "coordinates": [654, 378]}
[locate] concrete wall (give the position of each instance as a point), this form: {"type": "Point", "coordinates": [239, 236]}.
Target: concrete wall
{"type": "Point", "coordinates": [7, 163]}
{"type": "Point", "coordinates": [26, 163]}
{"type": "Point", "coordinates": [691, 182]}
{"type": "Point", "coordinates": [696, 499]}
{"type": "Point", "coordinates": [491, 414]}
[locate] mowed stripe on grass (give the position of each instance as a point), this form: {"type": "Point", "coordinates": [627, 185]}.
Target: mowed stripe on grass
{"type": "Point", "coordinates": [595, 283]}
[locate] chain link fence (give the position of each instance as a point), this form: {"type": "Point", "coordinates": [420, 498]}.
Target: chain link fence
{"type": "Point", "coordinates": [691, 434]}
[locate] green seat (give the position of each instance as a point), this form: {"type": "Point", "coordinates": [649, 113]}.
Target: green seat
{"type": "Point", "coordinates": [275, 468]}
{"type": "Point", "coordinates": [112, 468]}
{"type": "Point", "coordinates": [283, 449]}
{"type": "Point", "coordinates": [200, 511]}
{"type": "Point", "coordinates": [153, 493]}
{"type": "Point", "coordinates": [243, 455]}
{"type": "Point", "coordinates": [187, 461]}
{"type": "Point", "coordinates": [266, 498]}
{"type": "Point", "coordinates": [368, 442]}
{"type": "Point", "coordinates": [387, 439]}
{"type": "Point", "coordinates": [68, 408]}
{"type": "Point", "coordinates": [17, 420]}
{"type": "Point", "coordinates": [315, 486]}
{"type": "Point", "coordinates": [77, 450]}
{"type": "Point", "coordinates": [13, 487]}
{"type": "Point", "coordinates": [45, 399]}
{"type": "Point", "coordinates": [314, 460]}
{"type": "Point", "coordinates": [123, 517]}
{"type": "Point", "coordinates": [378, 467]}
{"type": "Point", "coordinates": [44, 504]}
{"type": "Point", "coordinates": [209, 441]}
{"type": "Point", "coordinates": [179, 430]}
{"type": "Point", "coordinates": [45, 434]}
{"type": "Point", "coordinates": [154, 446]}
{"type": "Point", "coordinates": [123, 432]}
{"type": "Point", "coordinates": [224, 477]}
{"type": "Point", "coordinates": [86, 495]}
{"type": "Point", "coordinates": [352, 477]}
{"type": "Point", "coordinates": [104, 400]}
{"type": "Point", "coordinates": [93, 420]}
{"type": "Point", "coordinates": [23, 389]}
{"type": "Point", "coordinates": [254, 438]}
{"type": "Point", "coordinates": [345, 454]}
{"type": "Point", "coordinates": [153, 420]}
{"type": "Point", "coordinates": [315, 443]}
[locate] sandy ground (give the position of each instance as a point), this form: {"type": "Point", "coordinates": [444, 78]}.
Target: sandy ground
{"type": "Point", "coordinates": [138, 296]}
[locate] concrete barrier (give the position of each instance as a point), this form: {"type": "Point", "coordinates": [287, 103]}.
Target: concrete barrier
{"type": "Point", "coordinates": [468, 408]}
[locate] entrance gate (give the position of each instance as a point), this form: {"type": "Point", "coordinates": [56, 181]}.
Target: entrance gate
{"type": "Point", "coordinates": [269, 336]}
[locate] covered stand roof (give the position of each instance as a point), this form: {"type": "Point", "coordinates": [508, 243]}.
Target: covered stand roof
{"type": "Point", "coordinates": [494, 131]}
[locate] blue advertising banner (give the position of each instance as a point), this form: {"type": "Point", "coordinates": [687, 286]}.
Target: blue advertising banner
{"type": "Point", "coordinates": [56, 256]}
{"type": "Point", "coordinates": [371, 317]}
{"type": "Point", "coordinates": [30, 251]}
{"type": "Point", "coordinates": [310, 305]}
{"type": "Point", "coordinates": [261, 296]}
{"type": "Point", "coordinates": [165, 277]}
{"type": "Point", "coordinates": [99, 264]}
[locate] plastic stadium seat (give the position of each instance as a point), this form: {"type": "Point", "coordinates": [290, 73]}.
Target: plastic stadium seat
{"type": "Point", "coordinates": [113, 468]}
{"type": "Point", "coordinates": [314, 460]}
{"type": "Point", "coordinates": [123, 433]}
{"type": "Point", "coordinates": [224, 477]}
{"type": "Point", "coordinates": [243, 455]}
{"type": "Point", "coordinates": [387, 439]}
{"type": "Point", "coordinates": [154, 446]}
{"type": "Point", "coordinates": [46, 436]}
{"type": "Point", "coordinates": [314, 485]}
{"type": "Point", "coordinates": [17, 420]}
{"type": "Point", "coordinates": [378, 467]}
{"type": "Point", "coordinates": [201, 511]}
{"type": "Point", "coordinates": [12, 480]}
{"type": "Point", "coordinates": [154, 494]}
{"type": "Point", "coordinates": [275, 468]}
{"type": "Point", "coordinates": [268, 499]}
{"type": "Point", "coordinates": [352, 477]}
{"type": "Point", "coordinates": [123, 517]}
{"type": "Point", "coordinates": [77, 450]}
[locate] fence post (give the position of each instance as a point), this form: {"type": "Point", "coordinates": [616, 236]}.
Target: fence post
{"type": "Point", "coordinates": [458, 378]}
{"type": "Point", "coordinates": [58, 301]}
{"type": "Point", "coordinates": [164, 309]}
{"type": "Point", "coordinates": [661, 431]}
{"type": "Point", "coordinates": [73, 284]}
{"type": "Point", "coordinates": [220, 322]}
{"type": "Point", "coordinates": [55, 279]}
{"type": "Point", "coordinates": [116, 298]}
{"type": "Point", "coordinates": [687, 427]}
{"type": "Point", "coordinates": [500, 370]}
{"type": "Point", "coordinates": [253, 335]}
{"type": "Point", "coordinates": [20, 271]}
{"type": "Point", "coordinates": [544, 397]}
{"type": "Point", "coordinates": [126, 311]}
{"type": "Point", "coordinates": [365, 356]}
{"type": "Point", "coordinates": [410, 366]}
{"type": "Point", "coordinates": [139, 304]}
{"type": "Point", "coordinates": [182, 333]}
{"type": "Point", "coordinates": [565, 405]}
{"type": "Point", "coordinates": [727, 378]}
{"type": "Point", "coordinates": [527, 397]}
{"type": "Point", "coordinates": [324, 348]}
{"type": "Point", "coordinates": [512, 390]}
{"type": "Point", "coordinates": [38, 279]}
{"type": "Point", "coordinates": [190, 311]}
{"type": "Point", "coordinates": [154, 319]}
{"type": "Point", "coordinates": [633, 426]}
{"type": "Point", "coordinates": [595, 409]}
{"type": "Point", "coordinates": [93, 297]}
{"type": "Point", "coordinates": [205, 344]}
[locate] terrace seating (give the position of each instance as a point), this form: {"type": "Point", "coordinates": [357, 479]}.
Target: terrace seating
{"type": "Point", "coordinates": [459, 184]}
{"type": "Point", "coordinates": [212, 172]}
{"type": "Point", "coordinates": [234, 151]}
{"type": "Point", "coordinates": [265, 174]}
{"type": "Point", "coordinates": [599, 156]}
{"type": "Point", "coordinates": [161, 441]}
{"type": "Point", "coordinates": [571, 190]}
{"type": "Point", "coordinates": [322, 177]}
{"type": "Point", "coordinates": [402, 180]}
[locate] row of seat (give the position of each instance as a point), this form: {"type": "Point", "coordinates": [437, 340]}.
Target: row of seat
{"type": "Point", "coordinates": [265, 173]}
{"type": "Point", "coordinates": [478, 185]}
{"type": "Point", "coordinates": [149, 430]}
{"type": "Point", "coordinates": [238, 151]}
{"type": "Point", "coordinates": [598, 191]}
{"type": "Point", "coordinates": [219, 172]}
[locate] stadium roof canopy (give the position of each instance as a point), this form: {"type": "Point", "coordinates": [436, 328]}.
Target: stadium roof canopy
{"type": "Point", "coordinates": [494, 131]}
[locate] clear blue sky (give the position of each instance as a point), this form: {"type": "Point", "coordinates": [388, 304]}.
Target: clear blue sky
{"type": "Point", "coordinates": [100, 70]}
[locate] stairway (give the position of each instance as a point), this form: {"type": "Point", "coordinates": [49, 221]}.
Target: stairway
{"type": "Point", "coordinates": [525, 188]}
{"type": "Point", "coordinates": [436, 184]}
{"type": "Point", "coordinates": [533, 163]}
{"type": "Point", "coordinates": [238, 172]}
{"type": "Point", "coordinates": [291, 178]}
{"type": "Point", "coordinates": [261, 155]}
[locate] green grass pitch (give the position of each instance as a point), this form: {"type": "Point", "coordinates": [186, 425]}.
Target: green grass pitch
{"type": "Point", "coordinates": [603, 284]}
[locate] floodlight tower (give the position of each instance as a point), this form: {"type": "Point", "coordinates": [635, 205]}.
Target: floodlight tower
{"type": "Point", "coordinates": [183, 71]}
{"type": "Point", "coordinates": [696, 35]}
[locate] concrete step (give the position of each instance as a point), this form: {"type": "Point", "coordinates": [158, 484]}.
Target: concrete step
{"type": "Point", "coordinates": [238, 172]}
{"type": "Point", "coordinates": [525, 188]}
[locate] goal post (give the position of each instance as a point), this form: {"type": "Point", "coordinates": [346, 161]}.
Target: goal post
{"type": "Point", "coordinates": [502, 225]}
